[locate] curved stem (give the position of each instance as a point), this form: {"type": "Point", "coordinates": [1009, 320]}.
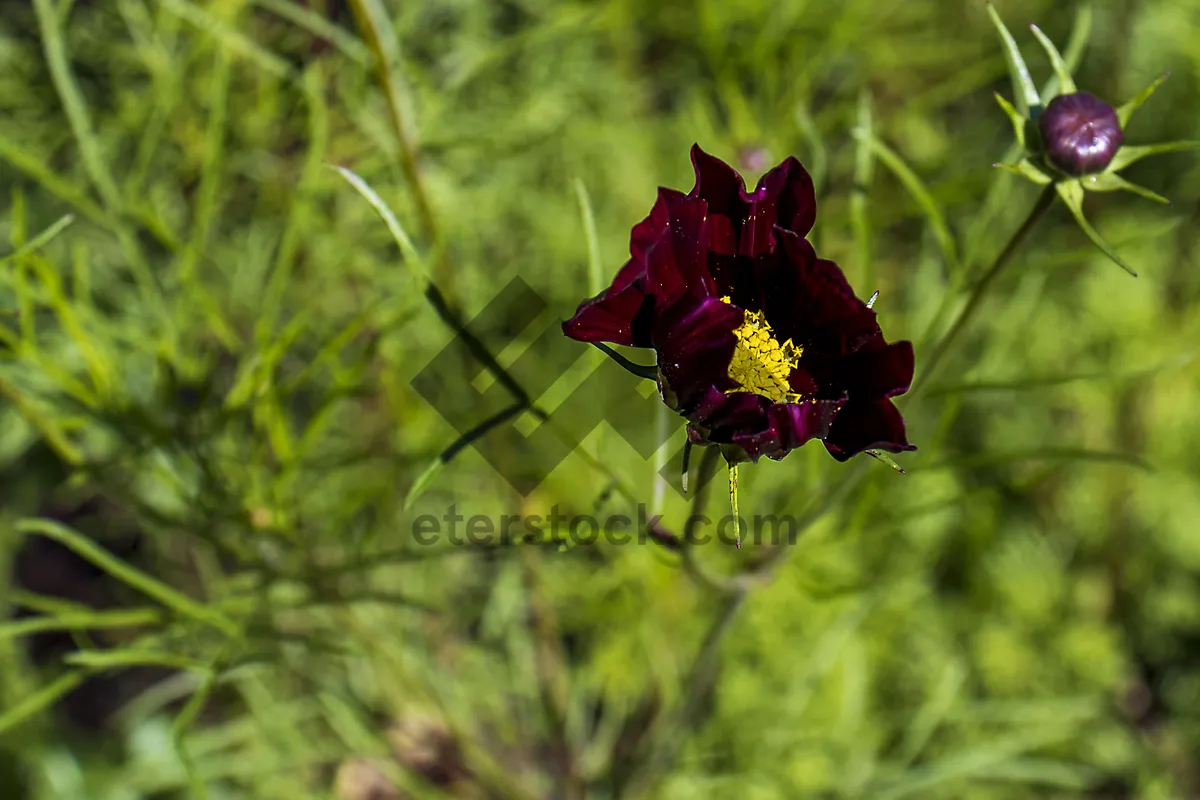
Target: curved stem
{"type": "Point", "coordinates": [1044, 201]}
{"type": "Point", "coordinates": [647, 371]}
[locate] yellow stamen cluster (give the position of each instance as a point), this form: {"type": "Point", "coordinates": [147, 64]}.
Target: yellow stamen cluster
{"type": "Point", "coordinates": [761, 364]}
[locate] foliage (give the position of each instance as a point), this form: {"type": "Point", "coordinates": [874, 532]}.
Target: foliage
{"type": "Point", "coordinates": [208, 431]}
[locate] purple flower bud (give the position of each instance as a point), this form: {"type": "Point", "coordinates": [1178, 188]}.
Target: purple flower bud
{"type": "Point", "coordinates": [1080, 133]}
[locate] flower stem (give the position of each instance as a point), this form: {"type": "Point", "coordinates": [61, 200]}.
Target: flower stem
{"type": "Point", "coordinates": [687, 459]}
{"type": "Point", "coordinates": [647, 371]}
{"type": "Point", "coordinates": [720, 584]}
{"type": "Point", "coordinates": [733, 503]}
{"type": "Point", "coordinates": [1044, 201]}
{"type": "Point", "coordinates": [370, 17]}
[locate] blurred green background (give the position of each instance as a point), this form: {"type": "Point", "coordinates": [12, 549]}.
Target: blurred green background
{"type": "Point", "coordinates": [208, 434]}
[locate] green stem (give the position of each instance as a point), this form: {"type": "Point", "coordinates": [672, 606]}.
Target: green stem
{"type": "Point", "coordinates": [370, 16]}
{"type": "Point", "coordinates": [665, 748]}
{"type": "Point", "coordinates": [720, 584]}
{"type": "Point", "coordinates": [1044, 201]}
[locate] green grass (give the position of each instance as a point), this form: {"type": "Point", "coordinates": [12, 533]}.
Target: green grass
{"type": "Point", "coordinates": [218, 223]}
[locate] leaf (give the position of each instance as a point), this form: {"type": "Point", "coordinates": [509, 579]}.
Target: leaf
{"type": "Point", "coordinates": [320, 28]}
{"type": "Point", "coordinates": [39, 700]}
{"type": "Point", "coordinates": [69, 93]}
{"type": "Point", "coordinates": [1027, 170]}
{"type": "Point", "coordinates": [1125, 111]}
{"type": "Point", "coordinates": [819, 150]}
{"type": "Point", "coordinates": [933, 711]}
{"type": "Point", "coordinates": [1025, 94]}
{"type": "Point", "coordinates": [422, 482]}
{"type": "Point", "coordinates": [968, 764]}
{"type": "Point", "coordinates": [79, 621]}
{"type": "Point", "coordinates": [98, 364]}
{"type": "Point", "coordinates": [1049, 381]}
{"type": "Point", "coordinates": [1071, 193]}
{"type": "Point", "coordinates": [132, 657]}
{"type": "Point", "coordinates": [1066, 84]}
{"type": "Point", "coordinates": [595, 267]}
{"type": "Point", "coordinates": [280, 272]}
{"type": "Point", "coordinates": [231, 39]}
{"type": "Point", "coordinates": [864, 173]}
{"type": "Point", "coordinates": [1130, 154]}
{"type": "Point", "coordinates": [45, 425]}
{"type": "Point", "coordinates": [129, 575]}
{"type": "Point", "coordinates": [977, 460]}
{"type": "Point", "coordinates": [39, 241]}
{"type": "Point", "coordinates": [1111, 182]}
{"type": "Point", "coordinates": [407, 249]}
{"type": "Point", "coordinates": [38, 169]}
{"type": "Point", "coordinates": [1044, 771]}
{"type": "Point", "coordinates": [1018, 121]}
{"type": "Point", "coordinates": [920, 194]}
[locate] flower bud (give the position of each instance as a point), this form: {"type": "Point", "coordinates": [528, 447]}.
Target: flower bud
{"type": "Point", "coordinates": [1080, 133]}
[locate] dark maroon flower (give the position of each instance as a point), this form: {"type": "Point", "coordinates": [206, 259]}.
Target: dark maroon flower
{"type": "Point", "coordinates": [760, 344]}
{"type": "Point", "coordinates": [1080, 133]}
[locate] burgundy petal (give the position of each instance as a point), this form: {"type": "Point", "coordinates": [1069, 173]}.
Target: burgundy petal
{"type": "Point", "coordinates": [695, 343]}
{"type": "Point", "coordinates": [743, 222]}
{"type": "Point", "coordinates": [789, 426]}
{"type": "Point", "coordinates": [676, 264]}
{"type": "Point", "coordinates": [718, 184]}
{"type": "Point", "coordinates": [621, 318]}
{"type": "Point", "coordinates": [648, 231]}
{"type": "Point", "coordinates": [621, 314]}
{"type": "Point", "coordinates": [720, 413]}
{"type": "Point", "coordinates": [803, 382]}
{"type": "Point", "coordinates": [877, 370]}
{"type": "Point", "coordinates": [867, 425]}
{"type": "Point", "coordinates": [735, 278]}
{"type": "Point", "coordinates": [789, 189]}
{"type": "Point", "coordinates": [785, 198]}
{"type": "Point", "coordinates": [809, 300]}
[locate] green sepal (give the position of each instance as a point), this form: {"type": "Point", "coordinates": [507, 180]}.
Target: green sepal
{"type": "Point", "coordinates": [1081, 30]}
{"type": "Point", "coordinates": [1126, 110]}
{"type": "Point", "coordinates": [1071, 193]}
{"type": "Point", "coordinates": [1111, 182]}
{"type": "Point", "coordinates": [1018, 121]}
{"type": "Point", "coordinates": [1129, 154]}
{"type": "Point", "coordinates": [1066, 84]}
{"type": "Point", "coordinates": [879, 455]}
{"type": "Point", "coordinates": [1025, 95]}
{"type": "Point", "coordinates": [1027, 170]}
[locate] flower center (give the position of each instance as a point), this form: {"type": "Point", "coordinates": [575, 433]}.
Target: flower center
{"type": "Point", "coordinates": [760, 364]}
